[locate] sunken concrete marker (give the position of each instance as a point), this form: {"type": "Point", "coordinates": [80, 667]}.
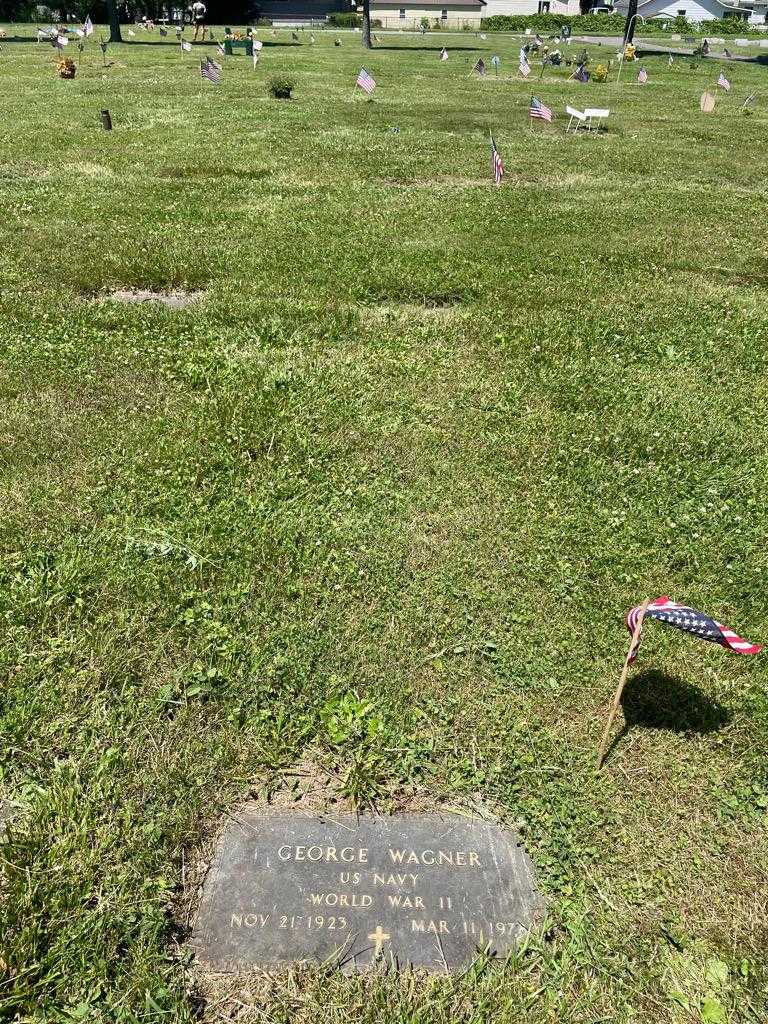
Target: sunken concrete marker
{"type": "Point", "coordinates": [427, 890]}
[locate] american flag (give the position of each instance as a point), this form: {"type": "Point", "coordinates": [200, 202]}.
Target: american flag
{"type": "Point", "coordinates": [497, 164]}
{"type": "Point", "coordinates": [221, 49]}
{"type": "Point", "coordinates": [365, 81]}
{"type": "Point", "coordinates": [525, 67]}
{"type": "Point", "coordinates": [211, 70]}
{"type": "Point", "coordinates": [581, 74]}
{"type": "Point", "coordinates": [723, 82]}
{"type": "Point", "coordinates": [538, 109]}
{"type": "Point", "coordinates": [60, 42]}
{"type": "Point", "coordinates": [642, 76]}
{"type": "Point", "coordinates": [692, 621]}
{"type": "Point", "coordinates": [186, 46]}
{"type": "Point", "coordinates": [88, 26]}
{"type": "Point", "coordinates": [443, 54]}
{"type": "Point", "coordinates": [480, 67]}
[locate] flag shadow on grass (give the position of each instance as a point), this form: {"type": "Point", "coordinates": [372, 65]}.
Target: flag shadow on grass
{"type": "Point", "coordinates": [655, 700]}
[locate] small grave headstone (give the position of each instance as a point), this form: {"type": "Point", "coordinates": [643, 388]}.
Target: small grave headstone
{"type": "Point", "coordinates": [707, 102]}
{"type": "Point", "coordinates": [424, 890]}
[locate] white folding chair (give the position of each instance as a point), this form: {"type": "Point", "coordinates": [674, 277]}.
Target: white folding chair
{"type": "Point", "coordinates": [576, 115]}
{"type": "Point", "coordinates": [595, 117]}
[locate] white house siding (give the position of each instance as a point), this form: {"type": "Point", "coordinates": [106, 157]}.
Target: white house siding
{"type": "Point", "coordinates": [494, 7]}
{"type": "Point", "coordinates": [695, 10]}
{"type": "Point", "coordinates": [459, 16]}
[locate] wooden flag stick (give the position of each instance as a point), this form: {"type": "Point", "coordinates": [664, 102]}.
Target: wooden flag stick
{"type": "Point", "coordinates": [622, 682]}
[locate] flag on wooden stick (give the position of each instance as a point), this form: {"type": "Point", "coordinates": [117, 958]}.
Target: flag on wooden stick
{"type": "Point", "coordinates": [723, 82]}
{"type": "Point", "coordinates": [691, 621]}
{"type": "Point", "coordinates": [366, 83]}
{"type": "Point", "coordinates": [538, 109]}
{"type": "Point", "coordinates": [210, 70]}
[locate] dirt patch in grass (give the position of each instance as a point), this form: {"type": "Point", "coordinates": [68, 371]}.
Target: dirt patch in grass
{"type": "Point", "coordinates": [173, 300]}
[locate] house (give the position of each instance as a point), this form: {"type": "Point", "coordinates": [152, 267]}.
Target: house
{"type": "Point", "coordinates": [438, 13]}
{"type": "Point", "coordinates": [569, 7]}
{"type": "Point", "coordinates": [692, 10]}
{"type": "Point", "coordinates": [758, 11]}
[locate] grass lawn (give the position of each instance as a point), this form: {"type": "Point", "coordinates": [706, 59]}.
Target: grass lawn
{"type": "Point", "coordinates": [406, 461]}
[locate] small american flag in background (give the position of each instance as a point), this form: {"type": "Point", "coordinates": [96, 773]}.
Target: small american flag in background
{"type": "Point", "coordinates": [525, 67]}
{"type": "Point", "coordinates": [443, 54]}
{"type": "Point", "coordinates": [537, 109]}
{"type": "Point", "coordinates": [185, 46]}
{"type": "Point", "coordinates": [497, 164]}
{"type": "Point", "coordinates": [480, 67]}
{"type": "Point", "coordinates": [642, 76]}
{"type": "Point", "coordinates": [692, 621]}
{"type": "Point", "coordinates": [211, 70]}
{"type": "Point", "coordinates": [88, 26]}
{"type": "Point", "coordinates": [220, 48]}
{"type": "Point", "coordinates": [723, 82]}
{"type": "Point", "coordinates": [365, 81]}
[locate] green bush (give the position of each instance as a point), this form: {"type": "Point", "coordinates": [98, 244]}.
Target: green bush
{"type": "Point", "coordinates": [281, 86]}
{"type": "Point", "coordinates": [548, 24]}
{"type": "Point", "coordinates": [350, 20]}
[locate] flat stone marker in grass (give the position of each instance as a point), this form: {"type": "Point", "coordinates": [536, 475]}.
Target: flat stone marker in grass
{"type": "Point", "coordinates": [426, 890]}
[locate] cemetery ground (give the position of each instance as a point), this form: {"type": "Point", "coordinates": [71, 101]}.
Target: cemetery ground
{"type": "Point", "coordinates": [371, 508]}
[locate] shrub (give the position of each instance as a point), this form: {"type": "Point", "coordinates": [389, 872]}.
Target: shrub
{"type": "Point", "coordinates": [551, 23]}
{"type": "Point", "coordinates": [612, 23]}
{"type": "Point", "coordinates": [281, 86]}
{"type": "Point", "coordinates": [350, 20]}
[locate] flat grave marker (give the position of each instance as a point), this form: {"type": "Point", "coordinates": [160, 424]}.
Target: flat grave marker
{"type": "Point", "coordinates": [427, 890]}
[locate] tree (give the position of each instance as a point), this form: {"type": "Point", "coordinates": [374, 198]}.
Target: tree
{"type": "Point", "coordinates": [367, 25]}
{"type": "Point", "coordinates": [114, 22]}
{"type": "Point", "coordinates": [629, 24]}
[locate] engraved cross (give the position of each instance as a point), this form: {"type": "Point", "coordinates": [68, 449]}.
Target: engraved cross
{"type": "Point", "coordinates": [378, 937]}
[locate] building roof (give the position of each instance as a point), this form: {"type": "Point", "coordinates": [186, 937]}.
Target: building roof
{"type": "Point", "coordinates": [429, 3]}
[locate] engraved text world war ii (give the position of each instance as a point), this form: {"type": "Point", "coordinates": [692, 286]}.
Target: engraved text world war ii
{"type": "Point", "coordinates": [427, 890]}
